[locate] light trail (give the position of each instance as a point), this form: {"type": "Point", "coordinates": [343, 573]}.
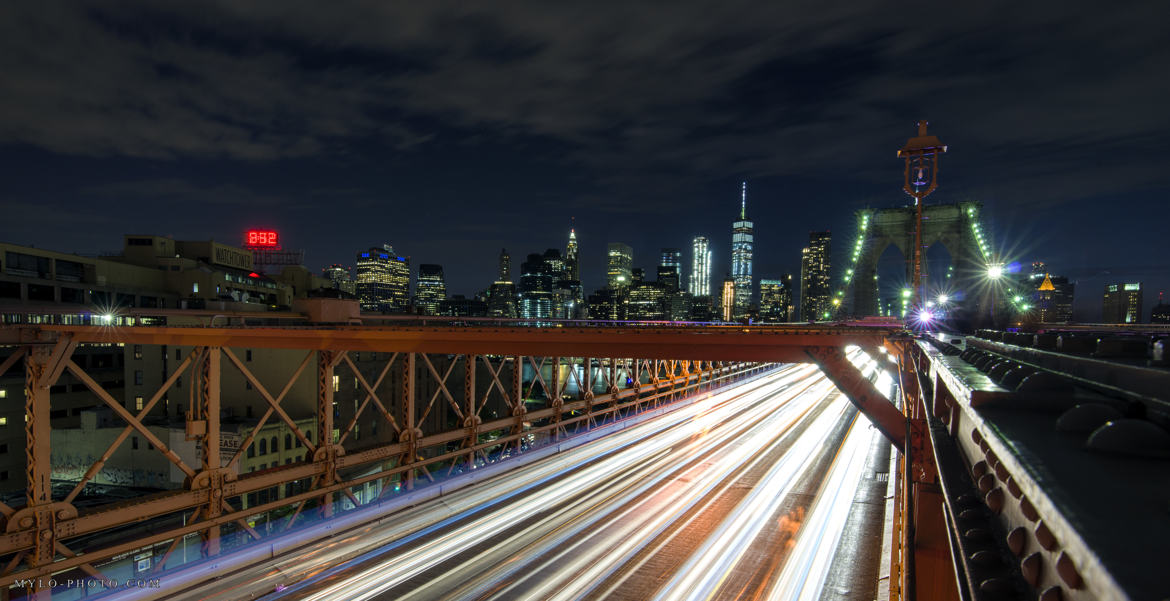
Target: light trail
{"type": "Point", "coordinates": [680, 506]}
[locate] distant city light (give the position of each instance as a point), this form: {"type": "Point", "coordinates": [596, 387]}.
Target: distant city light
{"type": "Point", "coordinates": [942, 299]}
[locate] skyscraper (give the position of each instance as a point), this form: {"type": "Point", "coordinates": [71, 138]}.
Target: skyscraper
{"type": "Point", "coordinates": [672, 257]}
{"type": "Point", "coordinates": [502, 294]}
{"type": "Point", "coordinates": [1122, 303]}
{"type": "Point", "coordinates": [505, 274]}
{"type": "Point", "coordinates": [619, 263]}
{"type": "Point", "coordinates": [1054, 298]}
{"type": "Point", "coordinates": [383, 280]}
{"type": "Point", "coordinates": [727, 299]}
{"type": "Point", "coordinates": [742, 242]}
{"type": "Point", "coordinates": [339, 275]}
{"type": "Point", "coordinates": [700, 282]}
{"type": "Point", "coordinates": [815, 296]}
{"type": "Point", "coordinates": [776, 299]}
{"type": "Point", "coordinates": [430, 289]}
{"type": "Point", "coordinates": [572, 262]}
{"type": "Point", "coordinates": [536, 288]}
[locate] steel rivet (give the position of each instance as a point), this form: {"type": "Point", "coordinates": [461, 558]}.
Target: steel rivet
{"type": "Point", "coordinates": [1068, 572]}
{"type": "Point", "coordinates": [1030, 566]}
{"type": "Point", "coordinates": [1016, 539]}
{"type": "Point", "coordinates": [995, 500]}
{"type": "Point", "coordinates": [996, 586]}
{"type": "Point", "coordinates": [1014, 488]}
{"type": "Point", "coordinates": [1044, 537]}
{"type": "Point", "coordinates": [985, 558]}
{"type": "Point", "coordinates": [1029, 510]}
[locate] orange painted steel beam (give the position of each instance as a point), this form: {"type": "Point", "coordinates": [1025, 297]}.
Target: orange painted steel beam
{"type": "Point", "coordinates": [781, 344]}
{"type": "Point", "coordinates": [861, 392]}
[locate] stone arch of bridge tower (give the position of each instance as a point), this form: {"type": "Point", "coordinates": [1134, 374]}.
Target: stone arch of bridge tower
{"type": "Point", "coordinates": [946, 224]}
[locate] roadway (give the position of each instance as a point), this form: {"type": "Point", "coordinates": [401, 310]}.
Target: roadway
{"type": "Point", "coordinates": [743, 495]}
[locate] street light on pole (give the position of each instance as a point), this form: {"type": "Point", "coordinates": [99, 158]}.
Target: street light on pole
{"type": "Point", "coordinates": [921, 154]}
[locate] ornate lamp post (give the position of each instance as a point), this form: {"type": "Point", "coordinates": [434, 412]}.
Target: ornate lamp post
{"type": "Point", "coordinates": [921, 178]}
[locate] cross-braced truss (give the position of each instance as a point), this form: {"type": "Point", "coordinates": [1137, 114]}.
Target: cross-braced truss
{"type": "Point", "coordinates": [546, 398]}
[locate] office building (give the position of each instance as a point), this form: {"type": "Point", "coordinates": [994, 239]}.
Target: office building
{"type": "Point", "coordinates": [430, 289]}
{"type": "Point", "coordinates": [1053, 299]}
{"type": "Point", "coordinates": [572, 258]}
{"type": "Point", "coordinates": [672, 257]}
{"type": "Point", "coordinates": [461, 306]}
{"type": "Point", "coordinates": [535, 289]}
{"type": "Point", "coordinates": [815, 263]}
{"type": "Point", "coordinates": [647, 301]}
{"type": "Point", "coordinates": [727, 299]}
{"type": "Point", "coordinates": [341, 278]}
{"type": "Point", "coordinates": [700, 282]}
{"type": "Point", "coordinates": [1122, 303]}
{"type": "Point", "coordinates": [1161, 312]}
{"type": "Point", "coordinates": [383, 280]}
{"type": "Point", "coordinates": [670, 270]}
{"type": "Point", "coordinates": [776, 299]}
{"type": "Point", "coordinates": [505, 266]}
{"type": "Point", "coordinates": [667, 276]}
{"type": "Point", "coordinates": [619, 264]}
{"type": "Point", "coordinates": [607, 304]}
{"type": "Point", "coordinates": [742, 243]}
{"type": "Point", "coordinates": [501, 301]}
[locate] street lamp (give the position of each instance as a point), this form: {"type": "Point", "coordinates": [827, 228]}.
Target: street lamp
{"type": "Point", "coordinates": [995, 271]}
{"type": "Point", "coordinates": [920, 179]}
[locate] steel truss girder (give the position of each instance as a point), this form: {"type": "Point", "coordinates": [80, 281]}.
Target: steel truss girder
{"type": "Point", "coordinates": [861, 392]}
{"type": "Point", "coordinates": [210, 485]}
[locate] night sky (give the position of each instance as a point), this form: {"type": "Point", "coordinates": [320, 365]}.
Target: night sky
{"type": "Point", "coordinates": [450, 130]}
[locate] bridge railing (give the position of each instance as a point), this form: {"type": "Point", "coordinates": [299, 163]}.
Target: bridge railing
{"type": "Point", "coordinates": [404, 420]}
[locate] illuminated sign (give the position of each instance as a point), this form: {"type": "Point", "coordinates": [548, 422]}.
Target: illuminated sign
{"type": "Point", "coordinates": [1133, 286]}
{"type": "Point", "coordinates": [262, 238]}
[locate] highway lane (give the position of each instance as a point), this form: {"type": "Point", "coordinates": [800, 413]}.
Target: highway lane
{"type": "Point", "coordinates": [741, 495]}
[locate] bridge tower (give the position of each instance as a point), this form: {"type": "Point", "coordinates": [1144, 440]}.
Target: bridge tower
{"type": "Point", "coordinates": [956, 226]}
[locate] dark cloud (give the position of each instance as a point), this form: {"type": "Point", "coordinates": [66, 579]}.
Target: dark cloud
{"type": "Point", "coordinates": [607, 110]}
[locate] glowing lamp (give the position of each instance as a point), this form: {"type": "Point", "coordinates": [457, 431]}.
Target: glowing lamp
{"type": "Point", "coordinates": [995, 271]}
{"type": "Point", "coordinates": [942, 299]}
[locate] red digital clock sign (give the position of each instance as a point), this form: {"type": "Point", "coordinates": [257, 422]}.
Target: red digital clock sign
{"type": "Point", "coordinates": [261, 238]}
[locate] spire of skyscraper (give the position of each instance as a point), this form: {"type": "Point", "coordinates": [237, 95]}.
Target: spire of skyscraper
{"type": "Point", "coordinates": [505, 266]}
{"type": "Point", "coordinates": [743, 202]}
{"type": "Point", "coordinates": [572, 261]}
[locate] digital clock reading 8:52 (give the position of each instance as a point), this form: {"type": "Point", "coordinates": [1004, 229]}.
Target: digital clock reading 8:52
{"type": "Point", "coordinates": [261, 238]}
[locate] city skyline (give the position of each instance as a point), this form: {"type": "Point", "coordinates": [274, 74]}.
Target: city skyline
{"type": "Point", "coordinates": [358, 131]}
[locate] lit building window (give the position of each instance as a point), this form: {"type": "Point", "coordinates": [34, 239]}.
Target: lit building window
{"type": "Point", "coordinates": [195, 288]}
{"type": "Point", "coordinates": [336, 383]}
{"type": "Point", "coordinates": [138, 403]}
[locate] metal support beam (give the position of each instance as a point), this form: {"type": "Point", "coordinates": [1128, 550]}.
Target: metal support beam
{"type": "Point", "coordinates": [209, 381]}
{"type": "Point", "coordinates": [858, 389]}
